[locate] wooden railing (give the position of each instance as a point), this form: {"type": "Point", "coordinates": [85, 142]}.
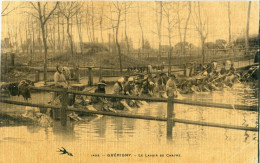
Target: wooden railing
{"type": "Point", "coordinates": [171, 120]}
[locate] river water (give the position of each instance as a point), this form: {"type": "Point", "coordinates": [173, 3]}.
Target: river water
{"type": "Point", "coordinates": [98, 138]}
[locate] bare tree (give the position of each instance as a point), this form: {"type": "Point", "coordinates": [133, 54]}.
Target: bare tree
{"type": "Point", "coordinates": [127, 5]}
{"type": "Point", "coordinates": [118, 10]}
{"type": "Point", "coordinates": [140, 25]}
{"type": "Point", "coordinates": [101, 22]}
{"type": "Point", "coordinates": [63, 35]}
{"type": "Point", "coordinates": [159, 14]}
{"type": "Point", "coordinates": [78, 19]}
{"type": "Point", "coordinates": [33, 35]}
{"type": "Point", "coordinates": [7, 9]}
{"type": "Point", "coordinates": [93, 21]}
{"type": "Point", "coordinates": [186, 26]}
{"type": "Point", "coordinates": [68, 10]}
{"type": "Point", "coordinates": [179, 26]}
{"type": "Point", "coordinates": [28, 37]}
{"type": "Point", "coordinates": [51, 37]}
{"type": "Point", "coordinates": [20, 35]}
{"type": "Point", "coordinates": [43, 17]}
{"type": "Point", "coordinates": [229, 23]}
{"type": "Point", "coordinates": [168, 10]}
{"type": "Point", "coordinates": [58, 19]}
{"type": "Point", "coordinates": [16, 39]}
{"type": "Point", "coordinates": [119, 13]}
{"type": "Point", "coordinates": [88, 23]}
{"type": "Point", "coordinates": [247, 27]}
{"type": "Point", "coordinates": [202, 29]}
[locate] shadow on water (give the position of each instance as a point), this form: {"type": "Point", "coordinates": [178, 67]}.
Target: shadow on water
{"type": "Point", "coordinates": [118, 129]}
{"type": "Point", "coordinates": [64, 133]}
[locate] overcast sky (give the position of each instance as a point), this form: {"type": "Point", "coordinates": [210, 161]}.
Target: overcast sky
{"type": "Point", "coordinates": [215, 12]}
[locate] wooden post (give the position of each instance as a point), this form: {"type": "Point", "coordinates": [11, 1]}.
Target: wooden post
{"type": "Point", "coordinates": [100, 73]}
{"type": "Point", "coordinates": [90, 77]}
{"type": "Point", "coordinates": [12, 59]}
{"type": "Point", "coordinates": [258, 78]}
{"type": "Point", "coordinates": [191, 70]}
{"type": "Point", "coordinates": [170, 115]}
{"type": "Point", "coordinates": [194, 68]}
{"type": "Point", "coordinates": [170, 63]}
{"type": "Point", "coordinates": [5, 63]}
{"type": "Point", "coordinates": [184, 72]}
{"type": "Point", "coordinates": [109, 46]}
{"type": "Point", "coordinates": [63, 110]}
{"type": "Point", "coordinates": [37, 76]}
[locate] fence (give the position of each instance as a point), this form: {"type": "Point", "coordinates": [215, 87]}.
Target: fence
{"type": "Point", "coordinates": [115, 72]}
{"type": "Point", "coordinates": [170, 109]}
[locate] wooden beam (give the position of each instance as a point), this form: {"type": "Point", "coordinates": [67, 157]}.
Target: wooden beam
{"type": "Point", "coordinates": [154, 99]}
{"type": "Point", "coordinates": [170, 123]}
{"type": "Point", "coordinates": [127, 115]}
{"type": "Point", "coordinates": [90, 77]}
{"type": "Point", "coordinates": [63, 109]}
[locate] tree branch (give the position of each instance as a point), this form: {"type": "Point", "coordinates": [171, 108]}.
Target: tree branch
{"type": "Point", "coordinates": [57, 3]}
{"type": "Point", "coordinates": [4, 9]}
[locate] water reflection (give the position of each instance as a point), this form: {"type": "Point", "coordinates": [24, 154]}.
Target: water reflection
{"type": "Point", "coordinates": [33, 128]}
{"type": "Point", "coordinates": [100, 127]}
{"type": "Point", "coordinates": [102, 130]}
{"type": "Point", "coordinates": [117, 123]}
{"type": "Point", "coordinates": [64, 133]}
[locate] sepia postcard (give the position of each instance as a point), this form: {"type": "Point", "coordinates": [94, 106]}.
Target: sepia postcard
{"type": "Point", "coordinates": [129, 81]}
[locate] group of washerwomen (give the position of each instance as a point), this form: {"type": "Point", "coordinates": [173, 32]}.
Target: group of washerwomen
{"type": "Point", "coordinates": [209, 79]}
{"type": "Point", "coordinates": [138, 85]}
{"type": "Point", "coordinates": [154, 85]}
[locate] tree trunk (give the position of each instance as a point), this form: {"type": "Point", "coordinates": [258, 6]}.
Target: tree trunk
{"type": "Point", "coordinates": [54, 39]}
{"type": "Point", "coordinates": [179, 30]}
{"type": "Point", "coordinates": [170, 45]}
{"type": "Point", "coordinates": [70, 37]}
{"type": "Point", "coordinates": [203, 49]}
{"type": "Point", "coordinates": [101, 23]}
{"type": "Point", "coordinates": [16, 40]}
{"type": "Point", "coordinates": [247, 27]}
{"type": "Point", "coordinates": [126, 37]}
{"type": "Point", "coordinates": [33, 39]}
{"type": "Point", "coordinates": [45, 52]}
{"type": "Point", "coordinates": [27, 42]}
{"type": "Point", "coordinates": [59, 40]}
{"type": "Point", "coordinates": [87, 24]}
{"type": "Point", "coordinates": [101, 31]}
{"type": "Point", "coordinates": [63, 35]}
{"type": "Point", "coordinates": [159, 25]}
{"type": "Point", "coordinates": [140, 24]}
{"type": "Point", "coordinates": [79, 32]}
{"type": "Point", "coordinates": [185, 29]}
{"type": "Point", "coordinates": [92, 23]}
{"type": "Point", "coordinates": [117, 43]}
{"type": "Point", "coordinates": [229, 23]}
{"type": "Point", "coordinates": [46, 31]}
{"type": "Point", "coordinates": [21, 40]}
{"type": "Point", "coordinates": [109, 44]}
